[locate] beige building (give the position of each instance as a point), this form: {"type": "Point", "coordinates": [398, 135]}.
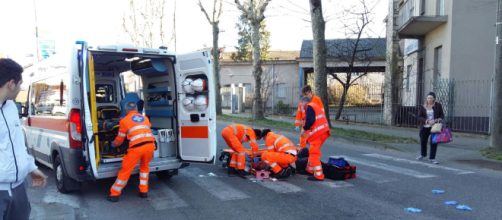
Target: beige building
{"type": "Point", "coordinates": [448, 47]}
{"type": "Point", "coordinates": [280, 80]}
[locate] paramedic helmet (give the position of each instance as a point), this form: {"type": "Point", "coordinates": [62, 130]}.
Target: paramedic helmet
{"type": "Point", "coordinates": [188, 103]}
{"type": "Point", "coordinates": [187, 85]}
{"type": "Point", "coordinates": [198, 85]}
{"type": "Point", "coordinates": [201, 102]}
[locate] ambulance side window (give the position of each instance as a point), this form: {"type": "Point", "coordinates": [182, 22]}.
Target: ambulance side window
{"type": "Point", "coordinates": [49, 97]}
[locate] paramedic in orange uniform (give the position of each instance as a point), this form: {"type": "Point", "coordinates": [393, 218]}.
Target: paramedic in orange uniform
{"type": "Point", "coordinates": [136, 128]}
{"type": "Point", "coordinates": [236, 134]}
{"type": "Point", "coordinates": [316, 132]}
{"type": "Point", "coordinates": [280, 155]}
{"type": "Point", "coordinates": [300, 112]}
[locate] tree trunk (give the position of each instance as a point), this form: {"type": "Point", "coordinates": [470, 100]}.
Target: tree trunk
{"type": "Point", "coordinates": [391, 85]}
{"type": "Point", "coordinates": [216, 67]}
{"type": "Point", "coordinates": [258, 110]}
{"type": "Point", "coordinates": [496, 123]}
{"type": "Point", "coordinates": [343, 99]}
{"type": "Point", "coordinates": [319, 43]}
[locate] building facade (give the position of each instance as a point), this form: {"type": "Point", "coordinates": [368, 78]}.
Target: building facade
{"type": "Point", "coordinates": [448, 47]}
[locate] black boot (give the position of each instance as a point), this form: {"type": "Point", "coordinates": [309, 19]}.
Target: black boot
{"type": "Point", "coordinates": [242, 173]}
{"type": "Point", "coordinates": [113, 198]}
{"type": "Point", "coordinates": [285, 173]}
{"type": "Point", "coordinates": [143, 195]}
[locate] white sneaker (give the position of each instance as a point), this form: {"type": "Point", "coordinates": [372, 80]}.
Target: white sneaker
{"type": "Point", "coordinates": [434, 161]}
{"type": "Point", "coordinates": [420, 157]}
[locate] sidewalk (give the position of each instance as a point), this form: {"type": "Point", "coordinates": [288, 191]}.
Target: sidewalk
{"type": "Point", "coordinates": [465, 148]}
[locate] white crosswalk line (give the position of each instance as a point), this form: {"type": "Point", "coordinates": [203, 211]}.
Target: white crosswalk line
{"type": "Point", "coordinates": [385, 157]}
{"type": "Point", "coordinates": [277, 186]}
{"type": "Point", "coordinates": [165, 198]}
{"type": "Point", "coordinates": [331, 183]}
{"type": "Point", "coordinates": [374, 177]}
{"type": "Point", "coordinates": [390, 168]}
{"type": "Point", "coordinates": [213, 185]}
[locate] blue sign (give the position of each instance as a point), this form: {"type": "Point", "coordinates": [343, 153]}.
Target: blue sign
{"type": "Point", "coordinates": [138, 118]}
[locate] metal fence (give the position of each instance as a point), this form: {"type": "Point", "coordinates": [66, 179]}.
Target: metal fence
{"type": "Point", "coordinates": [466, 103]}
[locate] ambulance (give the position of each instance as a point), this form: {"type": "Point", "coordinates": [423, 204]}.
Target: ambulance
{"type": "Point", "coordinates": [77, 97]}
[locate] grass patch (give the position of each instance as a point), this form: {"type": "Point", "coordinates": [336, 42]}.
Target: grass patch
{"type": "Point", "coordinates": [492, 153]}
{"type": "Point", "coordinates": [348, 133]}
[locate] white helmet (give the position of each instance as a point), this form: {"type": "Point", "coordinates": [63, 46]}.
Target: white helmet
{"type": "Point", "coordinates": [188, 103]}
{"type": "Point", "coordinates": [199, 85]}
{"type": "Point", "coordinates": [187, 85]}
{"type": "Point", "coordinates": [201, 102]}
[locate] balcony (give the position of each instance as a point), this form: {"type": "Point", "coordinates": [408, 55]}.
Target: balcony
{"type": "Point", "coordinates": [416, 19]}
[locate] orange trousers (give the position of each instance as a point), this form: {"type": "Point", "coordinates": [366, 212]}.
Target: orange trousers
{"type": "Point", "coordinates": [278, 160]}
{"type": "Point", "coordinates": [314, 165]}
{"type": "Point", "coordinates": [238, 158]}
{"type": "Point", "coordinates": [303, 141]}
{"type": "Point", "coordinates": [143, 154]}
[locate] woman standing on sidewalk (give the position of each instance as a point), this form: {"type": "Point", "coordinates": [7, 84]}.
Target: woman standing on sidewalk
{"type": "Point", "coordinates": [429, 114]}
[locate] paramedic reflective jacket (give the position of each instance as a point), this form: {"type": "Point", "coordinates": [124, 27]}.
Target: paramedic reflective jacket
{"type": "Point", "coordinates": [15, 162]}
{"type": "Point", "coordinates": [137, 129]}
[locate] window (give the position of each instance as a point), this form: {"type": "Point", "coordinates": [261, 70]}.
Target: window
{"type": "Point", "coordinates": [408, 73]}
{"type": "Point", "coordinates": [49, 97]}
{"type": "Point", "coordinates": [440, 7]}
{"type": "Point", "coordinates": [281, 90]}
{"type": "Point", "coordinates": [104, 93]}
{"type": "Point", "coordinates": [437, 62]}
{"type": "Point", "coordinates": [422, 7]}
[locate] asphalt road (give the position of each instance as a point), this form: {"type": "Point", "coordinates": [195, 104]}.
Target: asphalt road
{"type": "Point", "coordinates": [388, 182]}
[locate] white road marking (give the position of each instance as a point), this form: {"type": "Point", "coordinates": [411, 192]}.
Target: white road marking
{"type": "Point", "coordinates": [373, 177]}
{"type": "Point", "coordinates": [390, 168]}
{"type": "Point", "coordinates": [277, 186]}
{"type": "Point", "coordinates": [385, 157]}
{"type": "Point", "coordinates": [53, 196]}
{"type": "Point", "coordinates": [213, 185]}
{"type": "Point", "coordinates": [165, 198]}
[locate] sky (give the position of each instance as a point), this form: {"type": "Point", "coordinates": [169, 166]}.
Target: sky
{"type": "Point", "coordinates": [100, 22]}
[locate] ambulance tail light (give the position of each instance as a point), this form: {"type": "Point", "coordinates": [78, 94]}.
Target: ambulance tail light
{"type": "Point", "coordinates": [130, 50]}
{"type": "Point", "coordinates": [75, 129]}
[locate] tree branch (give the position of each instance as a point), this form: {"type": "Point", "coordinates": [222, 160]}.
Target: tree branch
{"type": "Point", "coordinates": [205, 12]}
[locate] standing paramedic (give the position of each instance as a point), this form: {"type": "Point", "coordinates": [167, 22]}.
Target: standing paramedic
{"type": "Point", "coordinates": [136, 128]}
{"type": "Point", "coordinates": [15, 162]}
{"type": "Point", "coordinates": [236, 134]}
{"type": "Point", "coordinates": [316, 132]}
{"type": "Point", "coordinates": [300, 112]}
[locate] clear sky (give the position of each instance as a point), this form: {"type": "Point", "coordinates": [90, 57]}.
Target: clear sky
{"type": "Point", "coordinates": [100, 22]}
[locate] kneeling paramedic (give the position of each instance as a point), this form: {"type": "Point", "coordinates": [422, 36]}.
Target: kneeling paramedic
{"type": "Point", "coordinates": [141, 146]}
{"type": "Point", "coordinates": [316, 131]}
{"type": "Point", "coordinates": [236, 134]}
{"type": "Point", "coordinates": [280, 155]}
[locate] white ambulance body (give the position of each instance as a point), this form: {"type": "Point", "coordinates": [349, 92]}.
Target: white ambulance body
{"type": "Point", "coordinates": [74, 106]}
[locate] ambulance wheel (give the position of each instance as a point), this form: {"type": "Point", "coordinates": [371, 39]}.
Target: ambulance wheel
{"type": "Point", "coordinates": [166, 174]}
{"type": "Point", "coordinates": [64, 183]}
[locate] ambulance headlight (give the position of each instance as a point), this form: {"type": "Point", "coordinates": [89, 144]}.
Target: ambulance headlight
{"type": "Point", "coordinates": [199, 85]}
{"type": "Point", "coordinates": [201, 102]}
{"type": "Point", "coordinates": [188, 103]}
{"type": "Point", "coordinates": [187, 85]}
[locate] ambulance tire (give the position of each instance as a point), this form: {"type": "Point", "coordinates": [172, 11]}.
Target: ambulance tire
{"type": "Point", "coordinates": [166, 174]}
{"type": "Point", "coordinates": [64, 183]}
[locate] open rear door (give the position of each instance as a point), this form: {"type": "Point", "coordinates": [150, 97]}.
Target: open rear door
{"type": "Point", "coordinates": [196, 107]}
{"type": "Point", "coordinates": [85, 65]}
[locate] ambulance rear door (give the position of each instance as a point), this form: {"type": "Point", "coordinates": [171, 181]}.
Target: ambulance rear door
{"type": "Point", "coordinates": [196, 107]}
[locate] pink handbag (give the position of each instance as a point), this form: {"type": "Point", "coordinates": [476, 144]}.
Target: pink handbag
{"type": "Point", "coordinates": [444, 137]}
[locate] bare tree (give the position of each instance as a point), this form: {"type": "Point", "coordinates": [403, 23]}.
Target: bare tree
{"type": "Point", "coordinates": [319, 43]}
{"type": "Point", "coordinates": [214, 21]}
{"type": "Point", "coordinates": [253, 11]}
{"type": "Point", "coordinates": [145, 22]}
{"type": "Point", "coordinates": [351, 52]}
{"type": "Point", "coordinates": [268, 81]}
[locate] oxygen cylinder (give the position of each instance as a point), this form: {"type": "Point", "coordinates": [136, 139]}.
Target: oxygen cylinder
{"type": "Point", "coordinates": [201, 102]}
{"type": "Point", "coordinates": [188, 103]}
{"type": "Point", "coordinates": [187, 85]}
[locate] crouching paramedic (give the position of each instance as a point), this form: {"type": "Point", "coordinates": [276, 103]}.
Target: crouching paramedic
{"type": "Point", "coordinates": [236, 134]}
{"type": "Point", "coordinates": [316, 132]}
{"type": "Point", "coordinates": [136, 128]}
{"type": "Point", "coordinates": [280, 155]}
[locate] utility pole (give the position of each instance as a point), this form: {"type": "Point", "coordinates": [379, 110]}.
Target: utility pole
{"type": "Point", "coordinates": [496, 123]}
